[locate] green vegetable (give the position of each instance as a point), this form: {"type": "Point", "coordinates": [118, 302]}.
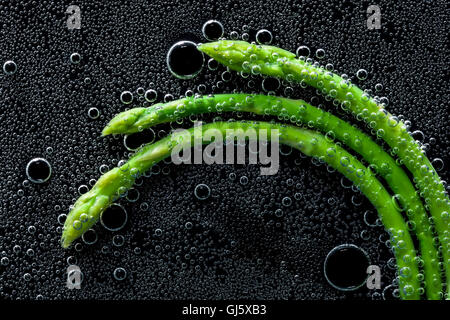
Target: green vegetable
{"type": "Point", "coordinates": [300, 112]}
{"type": "Point", "coordinates": [272, 61]}
{"type": "Point", "coordinates": [113, 184]}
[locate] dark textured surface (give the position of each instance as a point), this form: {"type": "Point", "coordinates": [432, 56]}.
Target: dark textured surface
{"type": "Point", "coordinates": [238, 246]}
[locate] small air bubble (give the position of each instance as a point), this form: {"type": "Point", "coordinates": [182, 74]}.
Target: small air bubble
{"type": "Point", "coordinates": [93, 113]}
{"type": "Point", "coordinates": [140, 91]}
{"type": "Point", "coordinates": [202, 191]}
{"type": "Point", "coordinates": [264, 36]}
{"type": "Point", "coordinates": [38, 170]}
{"type": "Point", "coordinates": [320, 53]}
{"type": "Point", "coordinates": [438, 164]}
{"type": "Point", "coordinates": [120, 274]}
{"type": "Point", "coordinates": [243, 180]}
{"type": "Point", "coordinates": [75, 58]}
{"type": "Point", "coordinates": [126, 97]}
{"type": "Point", "coordinates": [89, 237]}
{"type": "Point", "coordinates": [361, 74]}
{"type": "Point", "coordinates": [303, 51]}
{"type": "Point", "coordinates": [150, 95]}
{"type": "Point", "coordinates": [83, 189]}
{"type": "Point", "coordinates": [4, 261]}
{"type": "Point", "coordinates": [212, 30]}
{"type": "Point", "coordinates": [9, 67]}
{"type": "Point", "coordinates": [118, 240]}
{"type": "Point", "coordinates": [114, 218]}
{"type": "Point", "coordinates": [378, 87]}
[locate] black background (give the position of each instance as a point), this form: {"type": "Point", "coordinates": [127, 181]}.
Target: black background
{"type": "Point", "coordinates": [242, 249]}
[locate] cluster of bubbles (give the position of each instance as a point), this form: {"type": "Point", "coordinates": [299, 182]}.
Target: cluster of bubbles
{"type": "Point", "coordinates": [186, 232]}
{"type": "Point", "coordinates": [143, 96]}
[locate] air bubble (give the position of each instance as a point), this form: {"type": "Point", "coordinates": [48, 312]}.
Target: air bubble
{"type": "Point", "coordinates": [140, 91]}
{"type": "Point", "coordinates": [285, 150]}
{"type": "Point", "coordinates": [270, 84]}
{"type": "Point", "coordinates": [184, 60]}
{"type": "Point", "coordinates": [38, 170]}
{"type": "Point", "coordinates": [134, 141]}
{"type": "Point", "coordinates": [320, 53]}
{"type": "Point", "coordinates": [264, 36]}
{"type": "Point", "coordinates": [378, 87]}
{"type": "Point", "coordinates": [345, 267]}
{"type": "Point", "coordinates": [9, 67]}
{"type": "Point", "coordinates": [132, 195]}
{"type": "Point", "coordinates": [89, 237]}
{"type": "Point", "coordinates": [226, 76]}
{"type": "Point", "coordinates": [103, 169]}
{"type": "Point", "coordinates": [438, 164]}
{"type": "Point", "coordinates": [286, 201]}
{"type": "Point", "coordinates": [168, 97]}
{"type": "Point", "coordinates": [303, 51]}
{"type": "Point", "coordinates": [150, 95]}
{"type": "Point", "coordinates": [118, 240]}
{"type": "Point", "coordinates": [120, 274]}
{"type": "Point", "coordinates": [75, 58]}
{"type": "Point", "coordinates": [144, 206]}
{"type": "Point", "coordinates": [370, 218]}
{"type": "Point", "coordinates": [126, 97]}
{"type": "Point", "coordinates": [202, 191]}
{"type": "Point", "coordinates": [212, 30]}
{"type": "Point", "coordinates": [114, 218]}
{"type": "Point", "coordinates": [278, 213]}
{"type": "Point", "coordinates": [4, 261]}
{"type": "Point", "coordinates": [361, 74]}
{"type": "Point", "coordinates": [62, 218]}
{"type": "Point", "coordinates": [83, 189]}
{"type": "Point", "coordinates": [418, 135]}
{"type": "Point", "coordinates": [234, 35]}
{"type": "Point", "coordinates": [93, 113]}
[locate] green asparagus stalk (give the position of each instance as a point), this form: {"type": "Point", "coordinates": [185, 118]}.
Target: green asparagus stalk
{"type": "Point", "coordinates": [111, 185]}
{"type": "Point", "coordinates": [300, 112]}
{"type": "Point", "coordinates": [242, 56]}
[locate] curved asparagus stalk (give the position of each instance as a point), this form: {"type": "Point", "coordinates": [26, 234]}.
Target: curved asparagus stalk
{"type": "Point", "coordinates": [300, 112]}
{"type": "Point", "coordinates": [272, 61]}
{"type": "Point", "coordinates": [89, 207]}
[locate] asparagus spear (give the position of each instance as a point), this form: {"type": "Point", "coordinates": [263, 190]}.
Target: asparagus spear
{"type": "Point", "coordinates": [272, 61]}
{"type": "Point", "coordinates": [89, 207]}
{"type": "Point", "coordinates": [300, 112]}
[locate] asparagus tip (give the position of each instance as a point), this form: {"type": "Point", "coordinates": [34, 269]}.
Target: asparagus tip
{"type": "Point", "coordinates": [106, 131]}
{"type": "Point", "coordinates": [205, 48]}
{"type": "Point", "coordinates": [65, 243]}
